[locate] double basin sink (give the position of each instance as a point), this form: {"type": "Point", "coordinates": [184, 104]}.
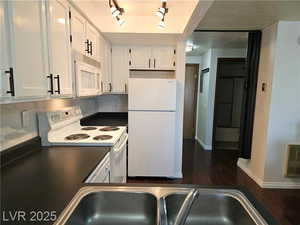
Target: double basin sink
{"type": "Point", "coordinates": [119, 205]}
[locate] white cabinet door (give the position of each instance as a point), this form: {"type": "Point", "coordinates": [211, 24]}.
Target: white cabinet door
{"type": "Point", "coordinates": [163, 58]}
{"type": "Point", "coordinates": [59, 45]}
{"type": "Point", "coordinates": [106, 72]}
{"type": "Point", "coordinates": [78, 24]}
{"type": "Point", "coordinates": [120, 69]}
{"type": "Point", "coordinates": [140, 57]}
{"type": "Point", "coordinates": [28, 48]}
{"type": "Point", "coordinates": [93, 39]}
{"type": "Point", "coordinates": [4, 53]}
{"type": "Point", "coordinates": [86, 79]}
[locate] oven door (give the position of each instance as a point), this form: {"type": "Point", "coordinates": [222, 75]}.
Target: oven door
{"type": "Point", "coordinates": [118, 158]}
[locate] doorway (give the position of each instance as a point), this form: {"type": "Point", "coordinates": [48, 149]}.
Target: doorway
{"type": "Point", "coordinates": [229, 103]}
{"type": "Point", "coordinates": [190, 100]}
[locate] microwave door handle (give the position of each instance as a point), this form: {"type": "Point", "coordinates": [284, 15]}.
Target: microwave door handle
{"type": "Point", "coordinates": [122, 145]}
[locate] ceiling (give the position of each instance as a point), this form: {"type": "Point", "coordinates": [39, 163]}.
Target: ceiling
{"type": "Point", "coordinates": [248, 14]}
{"type": "Point", "coordinates": [202, 41]}
{"type": "Point", "coordinates": [139, 15]}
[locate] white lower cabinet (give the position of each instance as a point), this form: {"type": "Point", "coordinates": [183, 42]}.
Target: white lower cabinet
{"type": "Point", "coordinates": [59, 48]}
{"type": "Point", "coordinates": [24, 59]}
{"type": "Point", "coordinates": [120, 69]}
{"type": "Point", "coordinates": [102, 172]}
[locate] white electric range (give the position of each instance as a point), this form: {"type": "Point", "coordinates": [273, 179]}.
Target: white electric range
{"type": "Point", "coordinates": [62, 128]}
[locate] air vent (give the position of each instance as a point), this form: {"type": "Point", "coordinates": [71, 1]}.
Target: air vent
{"type": "Point", "coordinates": [293, 161]}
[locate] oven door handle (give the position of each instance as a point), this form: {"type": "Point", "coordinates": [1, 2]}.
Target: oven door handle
{"type": "Point", "coordinates": [122, 145]}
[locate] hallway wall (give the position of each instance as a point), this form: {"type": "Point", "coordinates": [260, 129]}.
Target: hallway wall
{"type": "Point", "coordinates": [206, 100]}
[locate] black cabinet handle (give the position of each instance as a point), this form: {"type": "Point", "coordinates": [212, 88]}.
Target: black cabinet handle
{"type": "Point", "coordinates": [101, 86]}
{"type": "Point", "coordinates": [58, 84]}
{"type": "Point", "coordinates": [110, 87]}
{"type": "Point", "coordinates": [149, 63]}
{"type": "Point", "coordinates": [125, 88]}
{"type": "Point", "coordinates": [10, 73]}
{"type": "Point", "coordinates": [154, 62]}
{"type": "Point", "coordinates": [91, 47]}
{"type": "Point", "coordinates": [87, 45]}
{"type": "Point", "coordinates": [51, 91]}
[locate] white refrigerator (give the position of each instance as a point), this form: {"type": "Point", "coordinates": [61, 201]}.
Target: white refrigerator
{"type": "Point", "coordinates": [151, 127]}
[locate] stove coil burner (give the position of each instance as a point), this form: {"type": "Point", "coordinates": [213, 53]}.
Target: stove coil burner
{"type": "Point", "coordinates": [102, 137]}
{"type": "Point", "coordinates": [111, 128]}
{"type": "Point", "coordinates": [89, 128]}
{"type": "Point", "coordinates": [74, 137]}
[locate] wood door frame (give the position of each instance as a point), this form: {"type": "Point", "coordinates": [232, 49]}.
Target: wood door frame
{"type": "Point", "coordinates": [219, 60]}
{"type": "Point", "coordinates": [195, 95]}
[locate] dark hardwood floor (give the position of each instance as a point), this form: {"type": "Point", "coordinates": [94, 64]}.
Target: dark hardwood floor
{"type": "Point", "coordinates": [219, 168]}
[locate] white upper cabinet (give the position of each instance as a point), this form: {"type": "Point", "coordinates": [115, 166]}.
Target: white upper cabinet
{"type": "Point", "coordinates": [78, 24]}
{"type": "Point", "coordinates": [5, 88]}
{"type": "Point", "coordinates": [120, 69]}
{"type": "Point", "coordinates": [140, 58]}
{"type": "Point", "coordinates": [25, 64]}
{"type": "Point", "coordinates": [163, 58]}
{"type": "Point", "coordinates": [93, 42]}
{"type": "Point", "coordinates": [106, 66]}
{"type": "Point", "coordinates": [59, 47]}
{"type": "Point", "coordinates": [152, 58]}
{"type": "Point", "coordinates": [85, 38]}
{"type": "Point", "coordinates": [87, 79]}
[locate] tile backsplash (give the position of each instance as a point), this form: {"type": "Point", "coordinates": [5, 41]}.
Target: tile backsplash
{"type": "Point", "coordinates": [112, 103]}
{"type": "Point", "coordinates": [17, 126]}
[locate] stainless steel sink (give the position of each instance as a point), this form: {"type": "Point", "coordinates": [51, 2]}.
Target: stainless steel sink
{"type": "Point", "coordinates": [122, 205]}
{"type": "Point", "coordinates": [209, 209]}
{"type": "Point", "coordinates": [115, 208]}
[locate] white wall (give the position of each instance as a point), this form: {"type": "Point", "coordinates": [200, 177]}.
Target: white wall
{"type": "Point", "coordinates": [202, 102]}
{"type": "Point", "coordinates": [180, 78]}
{"type": "Point", "coordinates": [277, 111]}
{"type": "Point", "coordinates": [206, 100]}
{"type": "Point", "coordinates": [13, 131]}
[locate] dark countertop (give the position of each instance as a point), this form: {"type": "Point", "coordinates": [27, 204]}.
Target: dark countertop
{"type": "Point", "coordinates": [106, 119]}
{"type": "Point", "coordinates": [46, 179]}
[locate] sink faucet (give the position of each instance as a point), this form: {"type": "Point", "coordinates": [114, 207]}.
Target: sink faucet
{"type": "Point", "coordinates": [186, 207]}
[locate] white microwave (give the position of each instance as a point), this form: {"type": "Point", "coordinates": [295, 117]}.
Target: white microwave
{"type": "Point", "coordinates": [88, 78]}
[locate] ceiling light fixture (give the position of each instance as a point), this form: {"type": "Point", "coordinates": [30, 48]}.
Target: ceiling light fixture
{"type": "Point", "coordinates": [116, 11]}
{"type": "Point", "coordinates": [161, 13]}
{"type": "Point", "coordinates": [161, 24]}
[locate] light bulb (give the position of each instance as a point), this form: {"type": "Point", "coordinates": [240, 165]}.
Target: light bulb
{"type": "Point", "coordinates": [161, 25]}
{"type": "Point", "coordinates": [121, 21]}
{"type": "Point", "coordinates": [159, 14]}
{"type": "Point", "coordinates": [112, 9]}
{"type": "Point", "coordinates": [116, 13]}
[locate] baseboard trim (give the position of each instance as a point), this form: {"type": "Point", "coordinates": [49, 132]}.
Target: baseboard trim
{"type": "Point", "coordinates": [204, 146]}
{"type": "Point", "coordinates": [249, 172]}
{"type": "Point", "coordinates": [268, 184]}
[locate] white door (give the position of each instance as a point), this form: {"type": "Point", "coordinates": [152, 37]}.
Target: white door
{"type": "Point", "coordinates": [59, 45]}
{"type": "Point", "coordinates": [151, 144]}
{"type": "Point", "coordinates": [86, 79]}
{"type": "Point", "coordinates": [4, 54]}
{"type": "Point", "coordinates": [152, 94]}
{"type": "Point", "coordinates": [163, 58]}
{"type": "Point", "coordinates": [93, 39]}
{"type": "Point", "coordinates": [140, 57]}
{"type": "Point", "coordinates": [28, 48]}
{"type": "Point", "coordinates": [78, 24]}
{"type": "Point", "coordinates": [120, 69]}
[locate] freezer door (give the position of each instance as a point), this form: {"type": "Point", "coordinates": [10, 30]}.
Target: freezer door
{"type": "Point", "coordinates": [151, 144]}
{"type": "Point", "coordinates": [152, 94]}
